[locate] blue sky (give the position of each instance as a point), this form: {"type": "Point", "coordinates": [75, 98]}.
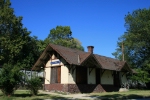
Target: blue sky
{"type": "Point", "coordinates": [94, 22]}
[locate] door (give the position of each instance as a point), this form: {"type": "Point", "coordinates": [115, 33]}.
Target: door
{"type": "Point", "coordinates": [116, 79]}
{"type": "Point", "coordinates": [81, 75]}
{"type": "Point", "coordinates": [56, 74]}
{"type": "Point", "coordinates": [98, 81]}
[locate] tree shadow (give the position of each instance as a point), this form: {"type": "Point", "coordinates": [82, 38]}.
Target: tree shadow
{"type": "Point", "coordinates": [40, 96]}
{"type": "Point", "coordinates": [27, 95]}
{"type": "Point", "coordinates": [118, 97]}
{"type": "Point", "coordinates": [52, 97]}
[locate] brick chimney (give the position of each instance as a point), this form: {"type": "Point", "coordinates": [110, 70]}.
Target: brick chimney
{"type": "Point", "coordinates": [90, 49]}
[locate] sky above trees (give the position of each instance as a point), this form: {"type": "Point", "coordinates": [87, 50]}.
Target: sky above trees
{"type": "Point", "coordinates": [94, 22]}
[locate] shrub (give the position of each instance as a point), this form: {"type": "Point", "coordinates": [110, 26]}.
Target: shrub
{"type": "Point", "coordinates": [10, 77]}
{"type": "Point", "coordinates": [34, 85]}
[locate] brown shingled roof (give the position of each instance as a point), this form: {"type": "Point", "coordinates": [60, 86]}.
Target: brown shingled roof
{"type": "Point", "coordinates": [72, 55]}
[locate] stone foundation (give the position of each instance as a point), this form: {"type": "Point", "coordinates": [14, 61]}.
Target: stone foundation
{"type": "Point", "coordinates": [75, 88]}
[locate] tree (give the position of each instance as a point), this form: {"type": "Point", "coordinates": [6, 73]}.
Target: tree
{"type": "Point", "coordinates": [16, 44]}
{"type": "Point", "coordinates": [17, 48]}
{"type": "Point", "coordinates": [62, 35]}
{"type": "Point", "coordinates": [136, 41]}
{"type": "Point", "coordinates": [13, 35]}
{"type": "Point", "coordinates": [10, 78]}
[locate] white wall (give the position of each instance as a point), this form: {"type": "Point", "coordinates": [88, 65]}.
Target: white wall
{"type": "Point", "coordinates": [64, 74]}
{"type": "Point", "coordinates": [107, 78]}
{"type": "Point", "coordinates": [72, 77]}
{"type": "Point", "coordinates": [64, 71]}
{"type": "Point", "coordinates": [123, 77]}
{"type": "Point", "coordinates": [91, 76]}
{"type": "Point", "coordinates": [47, 75]}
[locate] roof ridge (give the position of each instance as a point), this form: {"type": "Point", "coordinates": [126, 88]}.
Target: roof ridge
{"type": "Point", "coordinates": [66, 47]}
{"type": "Point", "coordinates": [108, 57]}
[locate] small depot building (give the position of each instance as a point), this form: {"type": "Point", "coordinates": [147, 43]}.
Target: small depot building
{"type": "Point", "coordinates": [74, 71]}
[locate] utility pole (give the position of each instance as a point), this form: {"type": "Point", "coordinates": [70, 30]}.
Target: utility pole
{"type": "Point", "coordinates": [122, 51]}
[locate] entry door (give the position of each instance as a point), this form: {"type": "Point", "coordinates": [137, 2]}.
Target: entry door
{"type": "Point", "coordinates": [98, 81]}
{"type": "Point", "coordinates": [56, 74]}
{"type": "Point", "coordinates": [81, 75]}
{"type": "Point", "coordinates": [116, 79]}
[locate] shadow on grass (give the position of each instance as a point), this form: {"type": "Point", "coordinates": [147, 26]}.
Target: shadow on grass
{"type": "Point", "coordinates": [40, 97]}
{"type": "Point", "coordinates": [30, 97]}
{"type": "Point", "coordinates": [22, 95]}
{"type": "Point", "coordinates": [53, 98]}
{"type": "Point", "coordinates": [118, 97]}
{"type": "Point", "coordinates": [48, 96]}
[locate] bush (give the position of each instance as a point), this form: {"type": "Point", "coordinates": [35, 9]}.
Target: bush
{"type": "Point", "coordinates": [34, 85]}
{"type": "Point", "coordinates": [134, 85]}
{"type": "Point", "coordinates": [10, 77]}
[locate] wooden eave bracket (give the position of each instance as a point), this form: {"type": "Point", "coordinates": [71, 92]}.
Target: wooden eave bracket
{"type": "Point", "coordinates": [90, 70]}
{"type": "Point", "coordinates": [48, 51]}
{"type": "Point", "coordinates": [112, 73]}
{"type": "Point", "coordinates": [71, 68]}
{"type": "Point", "coordinates": [123, 74]}
{"type": "Point", "coordinates": [49, 55]}
{"type": "Point", "coordinates": [102, 72]}
{"type": "Point", "coordinates": [43, 62]}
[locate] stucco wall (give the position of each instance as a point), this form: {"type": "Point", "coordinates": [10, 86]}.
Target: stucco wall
{"type": "Point", "coordinates": [64, 74]}
{"type": "Point", "coordinates": [72, 77]}
{"type": "Point", "coordinates": [64, 70]}
{"type": "Point", "coordinates": [47, 75]}
{"type": "Point", "coordinates": [91, 76]}
{"type": "Point", "coordinates": [107, 78]}
{"type": "Point", "coordinates": [123, 77]}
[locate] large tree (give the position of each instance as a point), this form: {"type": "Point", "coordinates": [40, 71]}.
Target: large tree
{"type": "Point", "coordinates": [136, 43]}
{"type": "Point", "coordinates": [16, 44]}
{"type": "Point", "coordinates": [62, 35]}
{"type": "Point", "coordinates": [17, 48]}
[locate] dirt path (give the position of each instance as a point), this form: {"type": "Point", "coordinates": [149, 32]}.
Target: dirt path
{"type": "Point", "coordinates": [73, 96]}
{"type": "Point", "coordinates": [83, 96]}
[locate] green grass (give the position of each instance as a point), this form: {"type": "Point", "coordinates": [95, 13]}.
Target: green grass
{"type": "Point", "coordinates": [131, 94]}
{"type": "Point", "coordinates": [25, 95]}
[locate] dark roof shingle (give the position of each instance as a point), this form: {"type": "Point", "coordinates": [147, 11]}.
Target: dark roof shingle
{"type": "Point", "coordinates": [72, 56]}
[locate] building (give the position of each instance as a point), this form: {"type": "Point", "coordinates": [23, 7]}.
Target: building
{"type": "Point", "coordinates": [75, 71]}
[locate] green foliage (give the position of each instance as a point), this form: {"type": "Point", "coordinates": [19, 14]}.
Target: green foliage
{"type": "Point", "coordinates": [42, 44]}
{"type": "Point", "coordinates": [34, 84]}
{"type": "Point", "coordinates": [141, 76]}
{"type": "Point", "coordinates": [10, 77]}
{"type": "Point", "coordinates": [16, 46]}
{"type": "Point", "coordinates": [136, 42]}
{"type": "Point", "coordinates": [62, 35]}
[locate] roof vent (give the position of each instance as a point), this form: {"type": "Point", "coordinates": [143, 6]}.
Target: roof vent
{"type": "Point", "coordinates": [90, 49]}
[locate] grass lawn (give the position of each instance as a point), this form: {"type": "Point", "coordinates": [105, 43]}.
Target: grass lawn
{"type": "Point", "coordinates": [25, 95]}
{"type": "Point", "coordinates": [131, 94]}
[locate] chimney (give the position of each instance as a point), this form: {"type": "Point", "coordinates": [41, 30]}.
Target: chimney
{"type": "Point", "coordinates": [90, 49]}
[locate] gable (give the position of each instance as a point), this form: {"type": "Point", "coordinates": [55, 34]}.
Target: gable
{"type": "Point", "coordinates": [80, 58]}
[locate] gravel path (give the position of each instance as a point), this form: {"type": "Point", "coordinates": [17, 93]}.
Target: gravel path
{"type": "Point", "coordinates": [83, 96]}
{"type": "Point", "coordinates": [72, 96]}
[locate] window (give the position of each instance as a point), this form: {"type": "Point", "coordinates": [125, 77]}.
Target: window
{"type": "Point", "coordinates": [56, 74]}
